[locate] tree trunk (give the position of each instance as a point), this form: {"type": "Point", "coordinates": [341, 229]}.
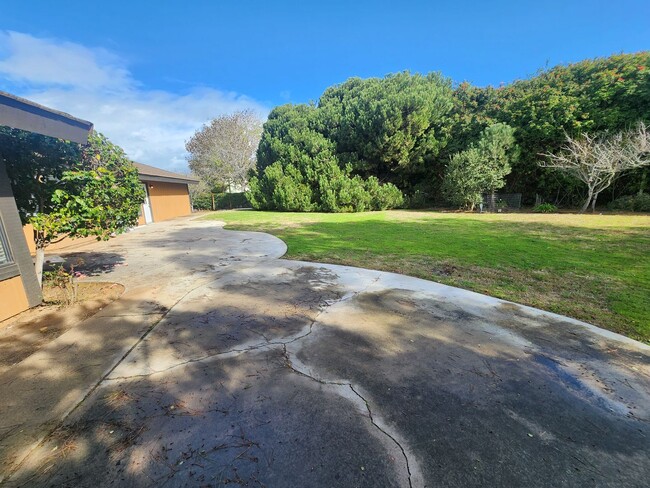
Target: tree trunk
{"type": "Point", "coordinates": [587, 202]}
{"type": "Point", "coordinates": [644, 176]}
{"type": "Point", "coordinates": [40, 259]}
{"type": "Point", "coordinates": [492, 201]}
{"type": "Point", "coordinates": [593, 203]}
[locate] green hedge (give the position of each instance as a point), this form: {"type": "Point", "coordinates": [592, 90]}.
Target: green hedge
{"type": "Point", "coordinates": [632, 203]}
{"type": "Point", "coordinates": [231, 200]}
{"type": "Point", "coordinates": [222, 201]}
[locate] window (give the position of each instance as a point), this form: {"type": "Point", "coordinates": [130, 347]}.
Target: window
{"type": "Point", "coordinates": [5, 252]}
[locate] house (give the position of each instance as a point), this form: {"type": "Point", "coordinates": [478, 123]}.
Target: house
{"type": "Point", "coordinates": [167, 197]}
{"type": "Point", "coordinates": [168, 194]}
{"type": "Point", "coordinates": [19, 288]}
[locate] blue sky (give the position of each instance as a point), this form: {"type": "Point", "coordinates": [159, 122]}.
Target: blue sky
{"type": "Point", "coordinates": [149, 73]}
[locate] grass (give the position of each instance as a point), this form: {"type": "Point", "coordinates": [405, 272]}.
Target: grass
{"type": "Point", "coordinates": [594, 268]}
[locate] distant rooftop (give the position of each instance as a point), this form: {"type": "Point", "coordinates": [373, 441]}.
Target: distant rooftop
{"type": "Point", "coordinates": [151, 173]}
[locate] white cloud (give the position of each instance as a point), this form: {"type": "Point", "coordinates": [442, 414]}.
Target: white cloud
{"type": "Point", "coordinates": [94, 84]}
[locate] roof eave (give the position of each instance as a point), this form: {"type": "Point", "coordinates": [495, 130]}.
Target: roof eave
{"type": "Point", "coordinates": [23, 114]}
{"type": "Point", "coordinates": [167, 179]}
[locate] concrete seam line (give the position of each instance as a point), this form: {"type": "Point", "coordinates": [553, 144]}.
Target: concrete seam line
{"type": "Point", "coordinates": [324, 304]}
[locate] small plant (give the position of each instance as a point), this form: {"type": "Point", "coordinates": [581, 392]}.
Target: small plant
{"type": "Point", "coordinates": [545, 208]}
{"type": "Point", "coordinates": [64, 280]}
{"type": "Point", "coordinates": [500, 205]}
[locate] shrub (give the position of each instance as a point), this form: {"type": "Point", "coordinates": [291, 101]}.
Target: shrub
{"type": "Point", "coordinates": [545, 208]}
{"type": "Point", "coordinates": [417, 199]}
{"type": "Point", "coordinates": [280, 188]}
{"type": "Point", "coordinates": [384, 196]}
{"type": "Point", "coordinates": [202, 201]}
{"type": "Point", "coordinates": [231, 200]}
{"type": "Point", "coordinates": [462, 184]}
{"type": "Point", "coordinates": [632, 203]}
{"type": "Point", "coordinates": [319, 184]}
{"type": "Point", "coordinates": [341, 193]}
{"type": "Point", "coordinates": [290, 193]}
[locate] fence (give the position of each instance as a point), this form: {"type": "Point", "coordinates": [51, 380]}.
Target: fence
{"type": "Point", "coordinates": [501, 201]}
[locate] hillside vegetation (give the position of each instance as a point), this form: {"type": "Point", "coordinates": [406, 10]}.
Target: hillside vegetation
{"type": "Point", "coordinates": [381, 143]}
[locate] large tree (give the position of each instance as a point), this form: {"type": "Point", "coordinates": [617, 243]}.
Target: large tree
{"type": "Point", "coordinates": [598, 160]}
{"type": "Point", "coordinates": [298, 170]}
{"type": "Point", "coordinates": [588, 97]}
{"type": "Point", "coordinates": [222, 153]}
{"type": "Point", "coordinates": [482, 167]}
{"type": "Point", "coordinates": [63, 189]}
{"type": "Point", "coordinates": [391, 128]}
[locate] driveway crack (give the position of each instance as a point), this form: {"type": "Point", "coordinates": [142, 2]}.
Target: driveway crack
{"type": "Point", "coordinates": [345, 387]}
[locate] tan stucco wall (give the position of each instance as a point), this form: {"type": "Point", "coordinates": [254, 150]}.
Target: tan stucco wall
{"type": "Point", "coordinates": [168, 200]}
{"type": "Point", "coordinates": [28, 230]}
{"type": "Point", "coordinates": [13, 299]}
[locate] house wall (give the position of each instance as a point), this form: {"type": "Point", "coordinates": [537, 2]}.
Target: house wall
{"type": "Point", "coordinates": [28, 230]}
{"type": "Point", "coordinates": [19, 288]}
{"type": "Point", "coordinates": [13, 299]}
{"type": "Point", "coordinates": [168, 200]}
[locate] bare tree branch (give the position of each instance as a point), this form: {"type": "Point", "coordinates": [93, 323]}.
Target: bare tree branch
{"type": "Point", "coordinates": [222, 152]}
{"type": "Point", "coordinates": [597, 160]}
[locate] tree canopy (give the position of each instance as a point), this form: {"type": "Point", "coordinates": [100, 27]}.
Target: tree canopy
{"type": "Point", "coordinates": [298, 170]}
{"type": "Point", "coordinates": [222, 152]}
{"type": "Point", "coordinates": [62, 188]}
{"type": "Point", "coordinates": [482, 168]}
{"type": "Point", "coordinates": [389, 128]}
{"type": "Point", "coordinates": [405, 129]}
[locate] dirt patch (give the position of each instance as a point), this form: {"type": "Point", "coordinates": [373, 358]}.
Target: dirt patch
{"type": "Point", "coordinates": [25, 333]}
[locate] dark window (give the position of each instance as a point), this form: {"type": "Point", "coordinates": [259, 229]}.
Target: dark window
{"type": "Point", "coordinates": [5, 252]}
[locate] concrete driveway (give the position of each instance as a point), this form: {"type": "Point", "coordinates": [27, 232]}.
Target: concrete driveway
{"type": "Point", "coordinates": [224, 365]}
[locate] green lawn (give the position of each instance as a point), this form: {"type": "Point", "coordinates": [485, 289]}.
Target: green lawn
{"type": "Point", "coordinates": [595, 268]}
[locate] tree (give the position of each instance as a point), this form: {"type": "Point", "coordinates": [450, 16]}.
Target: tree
{"type": "Point", "coordinates": [222, 153]}
{"type": "Point", "coordinates": [597, 160]}
{"type": "Point", "coordinates": [463, 183]}
{"type": "Point", "coordinates": [35, 165]}
{"type": "Point", "coordinates": [201, 195]}
{"type": "Point", "coordinates": [590, 96]}
{"type": "Point", "coordinates": [391, 128]}
{"type": "Point", "coordinates": [71, 191]}
{"type": "Point", "coordinates": [298, 170]}
{"type": "Point", "coordinates": [481, 168]}
{"type": "Point", "coordinates": [405, 128]}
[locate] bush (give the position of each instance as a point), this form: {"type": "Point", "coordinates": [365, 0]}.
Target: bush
{"type": "Point", "coordinates": [545, 208]}
{"type": "Point", "coordinates": [202, 201]}
{"type": "Point", "coordinates": [384, 196]}
{"type": "Point", "coordinates": [632, 203]}
{"type": "Point", "coordinates": [320, 185]}
{"type": "Point", "coordinates": [231, 200]}
{"type": "Point", "coordinates": [280, 188]}
{"type": "Point", "coordinates": [417, 199]}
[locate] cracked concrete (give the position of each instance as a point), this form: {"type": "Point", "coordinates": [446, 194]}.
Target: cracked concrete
{"type": "Point", "coordinates": [238, 367]}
